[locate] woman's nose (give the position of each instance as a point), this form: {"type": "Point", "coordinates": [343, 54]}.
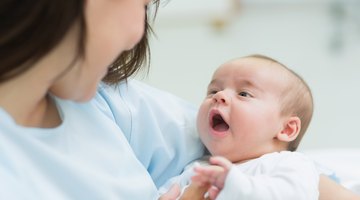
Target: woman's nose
{"type": "Point", "coordinates": [221, 97]}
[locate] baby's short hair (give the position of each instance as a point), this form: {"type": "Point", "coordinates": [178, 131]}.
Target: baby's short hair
{"type": "Point", "coordinates": [296, 99]}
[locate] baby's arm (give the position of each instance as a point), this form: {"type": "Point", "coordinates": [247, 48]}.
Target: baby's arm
{"type": "Point", "coordinates": [274, 176]}
{"type": "Point", "coordinates": [214, 174]}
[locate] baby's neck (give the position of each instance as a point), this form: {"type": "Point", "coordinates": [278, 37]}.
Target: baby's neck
{"type": "Point", "coordinates": [244, 161]}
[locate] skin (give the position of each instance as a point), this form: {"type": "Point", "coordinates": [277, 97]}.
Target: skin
{"type": "Point", "coordinates": [57, 73]}
{"type": "Point", "coordinates": [235, 104]}
{"type": "Point", "coordinates": [214, 174]}
{"type": "Point", "coordinates": [330, 190]}
{"type": "Point", "coordinates": [193, 192]}
{"type": "Point", "coordinates": [246, 93]}
{"type": "Point", "coordinates": [106, 39]}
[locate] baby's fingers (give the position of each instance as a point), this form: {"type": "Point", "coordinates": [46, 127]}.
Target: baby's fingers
{"type": "Point", "coordinates": [213, 192]}
{"type": "Point", "coordinates": [200, 180]}
{"type": "Point", "coordinates": [211, 173]}
{"type": "Point", "coordinates": [208, 170]}
{"type": "Point", "coordinates": [221, 161]}
{"type": "Point", "coordinates": [206, 175]}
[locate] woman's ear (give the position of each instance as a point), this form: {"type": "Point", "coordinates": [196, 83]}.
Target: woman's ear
{"type": "Point", "coordinates": [290, 130]}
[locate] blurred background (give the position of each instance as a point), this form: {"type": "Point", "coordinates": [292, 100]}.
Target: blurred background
{"type": "Point", "coordinates": [319, 39]}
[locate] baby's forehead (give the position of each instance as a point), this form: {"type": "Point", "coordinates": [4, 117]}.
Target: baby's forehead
{"type": "Point", "coordinates": [253, 64]}
{"type": "Point", "coordinates": [257, 71]}
{"type": "Point", "coordinates": [242, 69]}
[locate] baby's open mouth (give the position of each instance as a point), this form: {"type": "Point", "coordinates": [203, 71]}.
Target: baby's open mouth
{"type": "Point", "coordinates": [218, 123]}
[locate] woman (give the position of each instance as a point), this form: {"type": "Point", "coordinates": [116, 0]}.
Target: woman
{"type": "Point", "coordinates": [64, 136]}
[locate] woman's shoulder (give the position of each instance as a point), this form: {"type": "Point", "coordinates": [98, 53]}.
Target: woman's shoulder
{"type": "Point", "coordinates": [134, 89]}
{"type": "Point", "coordinates": [136, 96]}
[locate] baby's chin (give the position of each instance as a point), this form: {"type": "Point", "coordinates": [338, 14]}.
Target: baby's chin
{"type": "Point", "coordinates": [234, 158]}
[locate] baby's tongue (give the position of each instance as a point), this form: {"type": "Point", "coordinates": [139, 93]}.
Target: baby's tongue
{"type": "Point", "coordinates": [221, 127]}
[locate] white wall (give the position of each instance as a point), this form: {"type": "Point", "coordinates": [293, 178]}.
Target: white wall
{"type": "Point", "coordinates": [301, 35]}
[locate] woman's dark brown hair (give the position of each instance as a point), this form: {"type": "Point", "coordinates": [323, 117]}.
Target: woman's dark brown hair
{"type": "Point", "coordinates": [29, 30]}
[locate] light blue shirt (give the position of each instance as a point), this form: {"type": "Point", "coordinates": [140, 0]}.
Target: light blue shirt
{"type": "Point", "coordinates": [123, 144]}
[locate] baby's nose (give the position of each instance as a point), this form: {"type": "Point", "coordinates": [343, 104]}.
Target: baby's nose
{"type": "Point", "coordinates": [221, 97]}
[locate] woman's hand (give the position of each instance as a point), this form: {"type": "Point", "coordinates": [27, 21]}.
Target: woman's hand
{"type": "Point", "coordinates": [192, 192]}
{"type": "Point", "coordinates": [172, 194]}
{"type": "Point", "coordinates": [195, 192]}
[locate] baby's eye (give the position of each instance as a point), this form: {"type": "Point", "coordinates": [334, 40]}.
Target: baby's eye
{"type": "Point", "coordinates": [211, 92]}
{"type": "Point", "coordinates": [244, 94]}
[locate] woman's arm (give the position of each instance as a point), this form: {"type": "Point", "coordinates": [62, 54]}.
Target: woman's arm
{"type": "Point", "coordinates": [330, 190]}
{"type": "Point", "coordinates": [146, 114]}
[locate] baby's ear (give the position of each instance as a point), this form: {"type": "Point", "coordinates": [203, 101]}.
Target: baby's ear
{"type": "Point", "coordinates": [290, 130]}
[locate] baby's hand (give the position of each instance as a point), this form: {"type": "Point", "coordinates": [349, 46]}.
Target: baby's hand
{"type": "Point", "coordinates": [214, 174]}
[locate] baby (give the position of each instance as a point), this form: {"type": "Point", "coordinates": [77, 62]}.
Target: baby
{"type": "Point", "coordinates": [252, 120]}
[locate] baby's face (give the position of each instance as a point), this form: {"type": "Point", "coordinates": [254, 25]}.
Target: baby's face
{"type": "Point", "coordinates": [240, 116]}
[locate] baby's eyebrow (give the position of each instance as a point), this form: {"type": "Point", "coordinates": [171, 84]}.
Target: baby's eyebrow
{"type": "Point", "coordinates": [239, 82]}
{"type": "Point", "coordinates": [214, 82]}
{"type": "Point", "coordinates": [245, 83]}
{"type": "Point", "coordinates": [249, 84]}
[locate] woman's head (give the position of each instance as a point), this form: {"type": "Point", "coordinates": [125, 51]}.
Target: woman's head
{"type": "Point", "coordinates": [28, 31]}
{"type": "Point", "coordinates": [109, 36]}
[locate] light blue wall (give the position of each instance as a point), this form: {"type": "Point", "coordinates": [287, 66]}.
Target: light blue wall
{"type": "Point", "coordinates": [305, 36]}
